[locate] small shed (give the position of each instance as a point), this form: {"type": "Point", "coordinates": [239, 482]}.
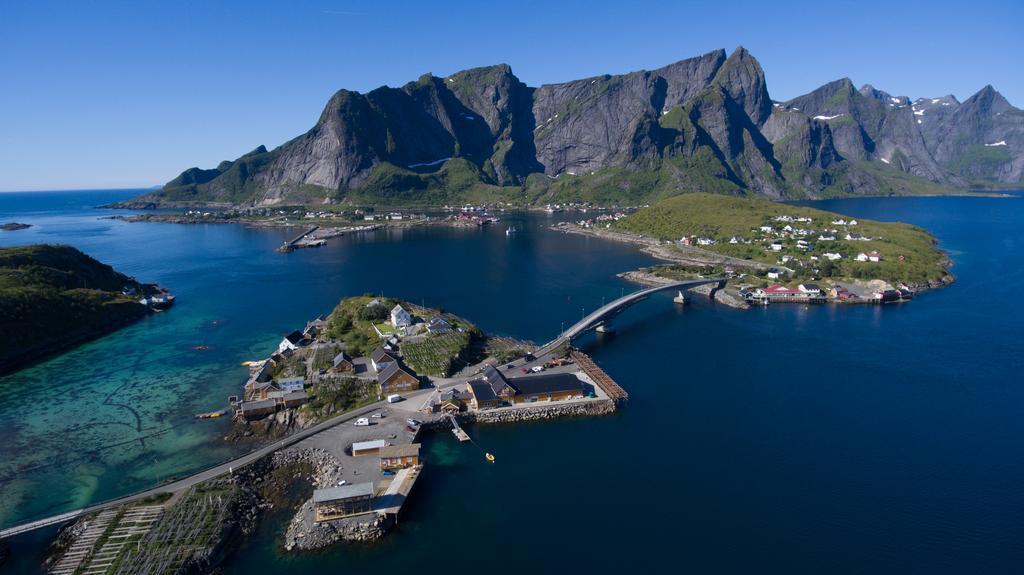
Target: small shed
{"type": "Point", "coordinates": [256, 409]}
{"type": "Point", "coordinates": [361, 448]}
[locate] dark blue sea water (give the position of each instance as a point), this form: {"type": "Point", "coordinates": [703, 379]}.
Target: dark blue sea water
{"type": "Point", "coordinates": [786, 439]}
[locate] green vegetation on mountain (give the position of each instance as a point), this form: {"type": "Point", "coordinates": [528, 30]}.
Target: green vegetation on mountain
{"type": "Point", "coordinates": [53, 297]}
{"type": "Point", "coordinates": [909, 254]}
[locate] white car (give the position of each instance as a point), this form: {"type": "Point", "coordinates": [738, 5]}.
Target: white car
{"type": "Point", "coordinates": [362, 422]}
{"type": "Point", "coordinates": [377, 415]}
{"type": "Point", "coordinates": [537, 368]}
{"type": "Point", "coordinates": [342, 482]}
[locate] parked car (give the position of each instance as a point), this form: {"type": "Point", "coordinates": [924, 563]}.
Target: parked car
{"type": "Point", "coordinates": [526, 370]}
{"type": "Point", "coordinates": [413, 422]}
{"type": "Point", "coordinates": [342, 482]}
{"type": "Point", "coordinates": [377, 415]}
{"type": "Point", "coordinates": [394, 398]}
{"type": "Point", "coordinates": [362, 422]}
{"type": "Point", "coordinates": [537, 368]}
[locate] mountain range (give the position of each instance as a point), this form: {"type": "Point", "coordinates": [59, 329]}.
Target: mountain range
{"type": "Point", "coordinates": [702, 124]}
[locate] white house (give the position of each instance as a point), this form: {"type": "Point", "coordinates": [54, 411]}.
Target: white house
{"type": "Point", "coordinates": [827, 237]}
{"type": "Point", "coordinates": [832, 256]}
{"type": "Point", "coordinates": [400, 317]}
{"type": "Point", "coordinates": [810, 289]}
{"type": "Point", "coordinates": [839, 222]}
{"type": "Point", "coordinates": [776, 247]}
{"type": "Point", "coordinates": [291, 342]}
{"type": "Point", "coordinates": [705, 242]}
{"type": "Point", "coordinates": [774, 274]}
{"type": "Point", "coordinates": [869, 257]}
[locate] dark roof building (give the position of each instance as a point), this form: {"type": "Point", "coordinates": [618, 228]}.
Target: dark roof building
{"type": "Point", "coordinates": [342, 361]}
{"type": "Point", "coordinates": [499, 385]}
{"type": "Point", "coordinates": [548, 386]}
{"type": "Point", "coordinates": [438, 324]}
{"type": "Point", "coordinates": [481, 394]}
{"type": "Point", "coordinates": [381, 356]}
{"type": "Point", "coordinates": [396, 377]}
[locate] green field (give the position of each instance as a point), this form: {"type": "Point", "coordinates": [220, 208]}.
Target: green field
{"type": "Point", "coordinates": [909, 253]}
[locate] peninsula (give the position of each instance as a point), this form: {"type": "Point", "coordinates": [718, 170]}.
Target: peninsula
{"type": "Point", "coordinates": [774, 252]}
{"type": "Point", "coordinates": [54, 297]}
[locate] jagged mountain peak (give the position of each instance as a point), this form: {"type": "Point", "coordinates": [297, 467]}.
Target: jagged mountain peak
{"type": "Point", "coordinates": [743, 79]}
{"type": "Point", "coordinates": [701, 122]}
{"type": "Point", "coordinates": [990, 98]}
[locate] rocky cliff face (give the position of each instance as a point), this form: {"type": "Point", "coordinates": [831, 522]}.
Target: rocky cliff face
{"type": "Point", "coordinates": [702, 123]}
{"type": "Point", "coordinates": [981, 140]}
{"type": "Point", "coordinates": [868, 124]}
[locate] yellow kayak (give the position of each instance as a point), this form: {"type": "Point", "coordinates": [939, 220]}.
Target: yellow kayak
{"type": "Point", "coordinates": [489, 457]}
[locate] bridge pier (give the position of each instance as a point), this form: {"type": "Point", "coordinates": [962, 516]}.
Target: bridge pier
{"type": "Point", "coordinates": [721, 285]}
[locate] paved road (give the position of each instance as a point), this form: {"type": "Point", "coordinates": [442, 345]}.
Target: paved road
{"type": "Point", "coordinates": [185, 483]}
{"type": "Point", "coordinates": [602, 313]}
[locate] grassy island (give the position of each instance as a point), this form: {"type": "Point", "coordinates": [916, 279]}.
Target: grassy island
{"type": "Point", "coordinates": [53, 297]}
{"type": "Point", "coordinates": [792, 243]}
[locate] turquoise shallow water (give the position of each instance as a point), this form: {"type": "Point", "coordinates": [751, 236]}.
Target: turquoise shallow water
{"type": "Point", "coordinates": [785, 439]}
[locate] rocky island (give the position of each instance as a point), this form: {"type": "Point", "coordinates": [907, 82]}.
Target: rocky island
{"type": "Point", "coordinates": [54, 297]}
{"type": "Point", "coordinates": [347, 401]}
{"type": "Point", "coordinates": [14, 226]}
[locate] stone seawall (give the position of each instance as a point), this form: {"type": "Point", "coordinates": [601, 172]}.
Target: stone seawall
{"type": "Point", "coordinates": [537, 413]}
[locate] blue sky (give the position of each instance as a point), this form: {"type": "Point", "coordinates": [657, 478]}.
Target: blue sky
{"type": "Point", "coordinates": [125, 94]}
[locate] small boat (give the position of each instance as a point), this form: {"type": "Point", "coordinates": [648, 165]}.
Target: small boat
{"type": "Point", "coordinates": [489, 457]}
{"type": "Point", "coordinates": [211, 414]}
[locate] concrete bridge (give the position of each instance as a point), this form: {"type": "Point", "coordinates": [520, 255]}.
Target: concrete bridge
{"type": "Point", "coordinates": [603, 314]}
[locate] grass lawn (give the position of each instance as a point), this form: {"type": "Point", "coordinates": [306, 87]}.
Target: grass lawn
{"type": "Point", "coordinates": [909, 253]}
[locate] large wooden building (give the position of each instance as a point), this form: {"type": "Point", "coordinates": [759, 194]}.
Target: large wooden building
{"type": "Point", "coordinates": [397, 378]}
{"type": "Point", "coordinates": [342, 501]}
{"type": "Point", "coordinates": [547, 387]}
{"type": "Point", "coordinates": [395, 457]}
{"type": "Point", "coordinates": [491, 389]}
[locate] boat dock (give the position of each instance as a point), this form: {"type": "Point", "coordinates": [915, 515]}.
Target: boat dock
{"type": "Point", "coordinates": [459, 433]}
{"type": "Point", "coordinates": [297, 241]}
{"type": "Point", "coordinates": [397, 492]}
{"type": "Point", "coordinates": [602, 379]}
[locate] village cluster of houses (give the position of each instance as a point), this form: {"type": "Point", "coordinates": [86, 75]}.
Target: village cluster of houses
{"type": "Point", "coordinates": [605, 219]}
{"type": "Point", "coordinates": [813, 293]}
{"type": "Point", "coordinates": [264, 395]}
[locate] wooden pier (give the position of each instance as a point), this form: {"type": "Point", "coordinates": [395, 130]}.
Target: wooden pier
{"type": "Point", "coordinates": [602, 379]}
{"type": "Point", "coordinates": [459, 433]}
{"type": "Point", "coordinates": [293, 243]}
